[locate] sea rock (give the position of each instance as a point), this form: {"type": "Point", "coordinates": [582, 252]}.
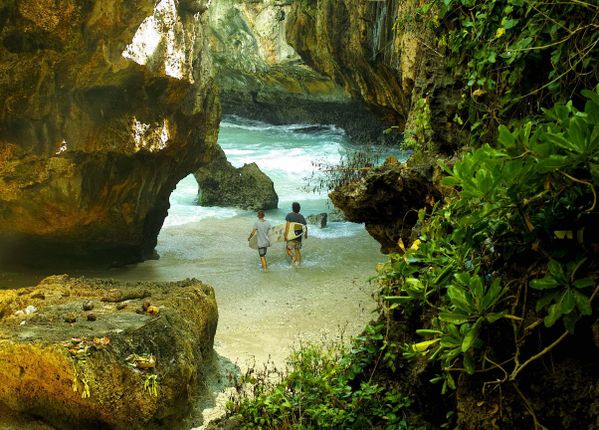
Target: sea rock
{"type": "Point", "coordinates": [247, 187]}
{"type": "Point", "coordinates": [318, 219]}
{"type": "Point", "coordinates": [97, 374]}
{"type": "Point", "coordinates": [387, 200]}
{"type": "Point", "coordinates": [97, 126]}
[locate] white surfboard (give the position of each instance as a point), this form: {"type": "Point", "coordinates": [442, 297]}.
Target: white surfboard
{"type": "Point", "coordinates": [276, 233]}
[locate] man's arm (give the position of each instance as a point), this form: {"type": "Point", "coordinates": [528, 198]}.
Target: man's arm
{"type": "Point", "coordinates": [252, 233]}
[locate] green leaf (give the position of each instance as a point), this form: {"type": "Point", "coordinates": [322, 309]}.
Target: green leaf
{"type": "Point", "coordinates": [553, 162]}
{"type": "Point", "coordinates": [469, 364]}
{"type": "Point", "coordinates": [583, 303]}
{"type": "Point", "coordinates": [545, 300]}
{"type": "Point", "coordinates": [453, 317]}
{"type": "Point", "coordinates": [426, 332]}
{"type": "Point", "coordinates": [457, 296]}
{"type": "Point", "coordinates": [471, 336]}
{"type": "Point", "coordinates": [508, 23]}
{"type": "Point", "coordinates": [584, 283]}
{"type": "Point", "coordinates": [450, 381]}
{"type": "Point", "coordinates": [492, 317]}
{"type": "Point", "coordinates": [567, 303]}
{"type": "Point", "coordinates": [414, 284]}
{"type": "Point", "coordinates": [506, 138]}
{"type": "Point", "coordinates": [545, 283]}
{"type": "Point", "coordinates": [553, 315]}
{"type": "Point", "coordinates": [570, 322]}
{"type": "Point", "coordinates": [494, 293]}
{"type": "Point", "coordinates": [557, 271]}
{"type": "Point", "coordinates": [450, 342]}
{"type": "Point", "coordinates": [592, 95]}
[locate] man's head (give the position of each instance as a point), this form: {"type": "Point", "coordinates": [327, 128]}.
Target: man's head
{"type": "Point", "coordinates": [260, 214]}
{"type": "Point", "coordinates": [295, 207]}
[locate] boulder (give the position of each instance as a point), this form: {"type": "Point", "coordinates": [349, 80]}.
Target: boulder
{"type": "Point", "coordinates": [318, 219]}
{"type": "Point", "coordinates": [387, 200]}
{"type": "Point", "coordinates": [132, 367]}
{"type": "Point", "coordinates": [247, 187]}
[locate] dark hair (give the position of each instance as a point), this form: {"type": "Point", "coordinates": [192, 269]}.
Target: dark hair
{"type": "Point", "coordinates": [260, 214]}
{"type": "Point", "coordinates": [295, 206]}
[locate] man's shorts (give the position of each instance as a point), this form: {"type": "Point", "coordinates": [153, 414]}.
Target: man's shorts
{"type": "Point", "coordinates": [262, 251]}
{"type": "Point", "coordinates": [294, 244]}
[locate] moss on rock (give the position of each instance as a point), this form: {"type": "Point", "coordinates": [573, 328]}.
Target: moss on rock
{"type": "Point", "coordinates": [90, 374]}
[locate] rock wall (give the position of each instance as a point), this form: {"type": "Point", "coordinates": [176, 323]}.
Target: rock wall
{"type": "Point", "coordinates": [262, 77]}
{"type": "Point", "coordinates": [385, 57]}
{"type": "Point", "coordinates": [380, 55]}
{"type": "Point", "coordinates": [96, 130]}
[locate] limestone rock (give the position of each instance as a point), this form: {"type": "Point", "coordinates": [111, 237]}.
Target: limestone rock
{"type": "Point", "coordinates": [318, 219]}
{"type": "Point", "coordinates": [100, 374]}
{"type": "Point", "coordinates": [96, 126]}
{"type": "Point", "coordinates": [387, 200]}
{"type": "Point", "coordinates": [262, 77]}
{"type": "Point", "coordinates": [246, 187]}
{"type": "Point", "coordinates": [376, 51]}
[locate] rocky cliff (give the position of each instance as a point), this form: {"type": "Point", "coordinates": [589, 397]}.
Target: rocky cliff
{"type": "Point", "coordinates": [106, 105]}
{"type": "Point", "coordinates": [380, 54]}
{"type": "Point", "coordinates": [262, 77]}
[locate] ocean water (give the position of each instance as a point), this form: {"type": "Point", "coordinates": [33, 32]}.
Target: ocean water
{"type": "Point", "coordinates": [288, 154]}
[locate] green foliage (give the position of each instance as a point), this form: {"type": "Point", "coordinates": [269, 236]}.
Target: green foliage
{"type": "Point", "coordinates": [418, 132]}
{"type": "Point", "coordinates": [514, 57]}
{"type": "Point", "coordinates": [509, 201]}
{"type": "Point", "coordinates": [320, 390]}
{"type": "Point", "coordinates": [151, 384]}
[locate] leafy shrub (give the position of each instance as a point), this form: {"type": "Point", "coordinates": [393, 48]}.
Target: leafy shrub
{"type": "Point", "coordinates": [518, 199]}
{"type": "Point", "coordinates": [320, 390]}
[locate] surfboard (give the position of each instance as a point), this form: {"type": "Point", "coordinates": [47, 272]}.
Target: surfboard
{"type": "Point", "coordinates": [276, 233]}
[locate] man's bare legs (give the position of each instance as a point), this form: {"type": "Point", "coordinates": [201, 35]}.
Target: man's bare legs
{"type": "Point", "coordinates": [298, 257]}
{"type": "Point", "coordinates": [264, 264]}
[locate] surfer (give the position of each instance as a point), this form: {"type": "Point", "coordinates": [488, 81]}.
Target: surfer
{"type": "Point", "coordinates": [294, 245]}
{"type": "Point", "coordinates": [261, 228]}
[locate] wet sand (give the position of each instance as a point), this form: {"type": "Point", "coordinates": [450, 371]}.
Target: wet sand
{"type": "Point", "coordinates": [262, 316]}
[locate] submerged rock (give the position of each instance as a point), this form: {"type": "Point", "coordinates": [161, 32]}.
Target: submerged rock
{"type": "Point", "coordinates": [124, 370]}
{"type": "Point", "coordinates": [246, 187]}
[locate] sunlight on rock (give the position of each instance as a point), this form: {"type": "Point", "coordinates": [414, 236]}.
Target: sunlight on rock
{"type": "Point", "coordinates": [63, 147]}
{"type": "Point", "coordinates": [150, 137]}
{"type": "Point", "coordinates": [160, 42]}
